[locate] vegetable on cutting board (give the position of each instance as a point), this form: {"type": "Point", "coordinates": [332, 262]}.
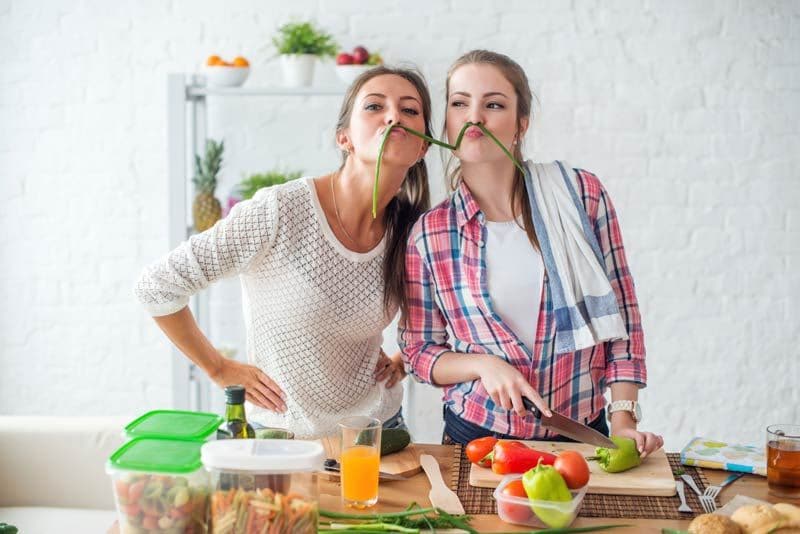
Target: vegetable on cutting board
{"type": "Point", "coordinates": [625, 457]}
{"type": "Point", "coordinates": [479, 451]}
{"type": "Point", "coordinates": [392, 440]}
{"type": "Point", "coordinates": [516, 457]}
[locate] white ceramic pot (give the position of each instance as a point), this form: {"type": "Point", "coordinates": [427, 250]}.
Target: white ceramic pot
{"type": "Point", "coordinates": [298, 69]}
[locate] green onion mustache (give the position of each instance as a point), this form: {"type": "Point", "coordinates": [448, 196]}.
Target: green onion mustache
{"type": "Point", "coordinates": [433, 141]}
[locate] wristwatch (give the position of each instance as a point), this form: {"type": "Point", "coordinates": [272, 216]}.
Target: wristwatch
{"type": "Point", "coordinates": [631, 406]}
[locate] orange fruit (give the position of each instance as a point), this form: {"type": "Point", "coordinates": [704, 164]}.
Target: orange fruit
{"type": "Point", "coordinates": [239, 61]}
{"type": "Point", "coordinates": [214, 60]}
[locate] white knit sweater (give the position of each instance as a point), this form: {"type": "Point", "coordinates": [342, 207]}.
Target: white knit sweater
{"type": "Point", "coordinates": [313, 309]}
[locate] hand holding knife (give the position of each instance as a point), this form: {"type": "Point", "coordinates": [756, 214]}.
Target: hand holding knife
{"type": "Point", "coordinates": [569, 427]}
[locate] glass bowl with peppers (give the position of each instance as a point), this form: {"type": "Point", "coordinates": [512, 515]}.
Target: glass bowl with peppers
{"type": "Point", "coordinates": [538, 498]}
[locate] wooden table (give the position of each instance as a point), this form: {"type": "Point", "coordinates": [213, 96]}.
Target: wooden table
{"type": "Point", "coordinates": [397, 495]}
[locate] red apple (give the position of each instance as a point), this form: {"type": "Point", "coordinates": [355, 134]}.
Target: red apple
{"type": "Point", "coordinates": [344, 59]}
{"type": "Point", "coordinates": [360, 55]}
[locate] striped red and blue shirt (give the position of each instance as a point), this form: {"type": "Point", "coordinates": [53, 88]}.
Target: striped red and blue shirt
{"type": "Point", "coordinates": [447, 290]}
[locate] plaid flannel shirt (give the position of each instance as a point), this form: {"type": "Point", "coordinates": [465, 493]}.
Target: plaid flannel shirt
{"type": "Point", "coordinates": [446, 288]}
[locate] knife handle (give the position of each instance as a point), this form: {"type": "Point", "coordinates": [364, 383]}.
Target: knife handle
{"type": "Point", "coordinates": [537, 413]}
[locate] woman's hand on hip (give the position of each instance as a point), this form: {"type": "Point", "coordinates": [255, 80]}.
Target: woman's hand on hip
{"type": "Point", "coordinates": [260, 389]}
{"type": "Point", "coordinates": [389, 368]}
{"type": "Point", "coordinates": [506, 386]}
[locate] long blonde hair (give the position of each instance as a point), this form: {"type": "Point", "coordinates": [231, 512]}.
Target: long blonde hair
{"type": "Point", "coordinates": [410, 202]}
{"type": "Point", "coordinates": [517, 78]}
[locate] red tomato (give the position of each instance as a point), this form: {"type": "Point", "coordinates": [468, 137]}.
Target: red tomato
{"type": "Point", "coordinates": [573, 467]}
{"type": "Point", "coordinates": [512, 511]}
{"type": "Point", "coordinates": [477, 449]}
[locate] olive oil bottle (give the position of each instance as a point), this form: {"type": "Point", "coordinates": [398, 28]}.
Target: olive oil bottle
{"type": "Point", "coordinates": [235, 425]}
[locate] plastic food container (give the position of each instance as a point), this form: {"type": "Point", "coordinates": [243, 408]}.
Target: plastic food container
{"type": "Point", "coordinates": [159, 486]}
{"type": "Point", "coordinates": [523, 511]}
{"type": "Point", "coordinates": [174, 424]}
{"type": "Point", "coordinates": [263, 485]}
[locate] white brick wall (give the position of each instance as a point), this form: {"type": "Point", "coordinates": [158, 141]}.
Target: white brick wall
{"type": "Point", "coordinates": [688, 111]}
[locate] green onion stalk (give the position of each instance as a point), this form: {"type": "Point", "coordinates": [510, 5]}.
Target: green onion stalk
{"type": "Point", "coordinates": [414, 518]}
{"type": "Point", "coordinates": [431, 140]}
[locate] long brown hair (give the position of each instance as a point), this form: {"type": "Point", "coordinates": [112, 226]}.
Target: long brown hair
{"type": "Point", "coordinates": [410, 202]}
{"type": "Point", "coordinates": [517, 78]}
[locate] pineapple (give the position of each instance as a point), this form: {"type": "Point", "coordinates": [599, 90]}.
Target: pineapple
{"type": "Point", "coordinates": [206, 209]}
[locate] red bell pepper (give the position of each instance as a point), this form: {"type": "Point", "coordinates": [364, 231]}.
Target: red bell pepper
{"type": "Point", "coordinates": [516, 457]}
{"type": "Point", "coordinates": [479, 451]}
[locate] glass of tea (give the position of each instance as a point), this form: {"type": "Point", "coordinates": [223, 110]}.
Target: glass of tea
{"type": "Point", "coordinates": [783, 460]}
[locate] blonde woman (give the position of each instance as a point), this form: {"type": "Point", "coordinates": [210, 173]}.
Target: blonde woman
{"type": "Point", "coordinates": [489, 265]}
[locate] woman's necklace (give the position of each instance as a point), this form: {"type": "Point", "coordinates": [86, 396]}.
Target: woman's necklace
{"type": "Point", "coordinates": [339, 219]}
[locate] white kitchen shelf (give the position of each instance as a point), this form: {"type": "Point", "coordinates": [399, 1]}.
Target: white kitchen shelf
{"type": "Point", "coordinates": [194, 91]}
{"type": "Point", "coordinates": [187, 117]}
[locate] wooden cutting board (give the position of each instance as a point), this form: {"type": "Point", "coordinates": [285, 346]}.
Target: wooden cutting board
{"type": "Point", "coordinates": [404, 463]}
{"type": "Point", "coordinates": [653, 477]}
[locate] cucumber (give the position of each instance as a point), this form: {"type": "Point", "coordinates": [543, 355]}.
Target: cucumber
{"type": "Point", "coordinates": [392, 440]}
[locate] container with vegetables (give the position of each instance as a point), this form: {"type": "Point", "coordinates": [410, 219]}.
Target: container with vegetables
{"type": "Point", "coordinates": [514, 504]}
{"type": "Point", "coordinates": [540, 489]}
{"type": "Point", "coordinates": [159, 486]}
{"type": "Point", "coordinates": [263, 485]}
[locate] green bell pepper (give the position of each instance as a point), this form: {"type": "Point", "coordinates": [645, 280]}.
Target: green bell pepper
{"type": "Point", "coordinates": [621, 459]}
{"type": "Point", "coordinates": [5, 528]}
{"type": "Point", "coordinates": [544, 483]}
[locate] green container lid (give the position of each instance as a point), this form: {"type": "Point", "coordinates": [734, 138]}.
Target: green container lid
{"type": "Point", "coordinates": [157, 455]}
{"type": "Point", "coordinates": [174, 424]}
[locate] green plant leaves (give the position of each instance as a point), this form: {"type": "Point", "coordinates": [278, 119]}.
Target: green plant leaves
{"type": "Point", "coordinates": [304, 38]}
{"type": "Point", "coordinates": [250, 185]}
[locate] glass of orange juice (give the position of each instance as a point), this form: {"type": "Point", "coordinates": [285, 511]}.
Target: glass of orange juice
{"type": "Point", "coordinates": [360, 460]}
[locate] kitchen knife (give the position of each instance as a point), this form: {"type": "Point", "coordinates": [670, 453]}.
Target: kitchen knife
{"type": "Point", "coordinates": [333, 466]}
{"type": "Point", "coordinates": [569, 427]}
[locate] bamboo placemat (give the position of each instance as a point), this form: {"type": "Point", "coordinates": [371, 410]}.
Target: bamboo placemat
{"type": "Point", "coordinates": [480, 500]}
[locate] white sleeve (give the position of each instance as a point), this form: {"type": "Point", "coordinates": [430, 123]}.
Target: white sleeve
{"type": "Point", "coordinates": [226, 249]}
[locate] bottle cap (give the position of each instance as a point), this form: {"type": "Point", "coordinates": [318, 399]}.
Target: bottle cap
{"type": "Point", "coordinates": [234, 394]}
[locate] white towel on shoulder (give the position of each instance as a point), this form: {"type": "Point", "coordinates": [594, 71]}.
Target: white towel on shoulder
{"type": "Point", "coordinates": [584, 303]}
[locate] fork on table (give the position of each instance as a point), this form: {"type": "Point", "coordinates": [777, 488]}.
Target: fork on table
{"type": "Point", "coordinates": [709, 497]}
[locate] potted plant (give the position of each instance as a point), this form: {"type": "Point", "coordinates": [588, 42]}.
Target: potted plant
{"type": "Point", "coordinates": [250, 185]}
{"type": "Point", "coordinates": [299, 44]}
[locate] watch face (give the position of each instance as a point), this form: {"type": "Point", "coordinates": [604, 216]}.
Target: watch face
{"type": "Point", "coordinates": [638, 411]}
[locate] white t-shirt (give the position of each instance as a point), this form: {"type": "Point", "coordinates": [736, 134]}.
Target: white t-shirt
{"type": "Point", "coordinates": [515, 275]}
{"type": "Point", "coordinates": [313, 309]}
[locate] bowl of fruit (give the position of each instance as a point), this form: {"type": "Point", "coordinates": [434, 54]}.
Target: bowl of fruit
{"type": "Point", "coordinates": [221, 73]}
{"type": "Point", "coordinates": [350, 65]}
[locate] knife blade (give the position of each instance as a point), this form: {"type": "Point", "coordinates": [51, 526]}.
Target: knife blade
{"type": "Point", "coordinates": [569, 427]}
{"type": "Point", "coordinates": [333, 466]}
